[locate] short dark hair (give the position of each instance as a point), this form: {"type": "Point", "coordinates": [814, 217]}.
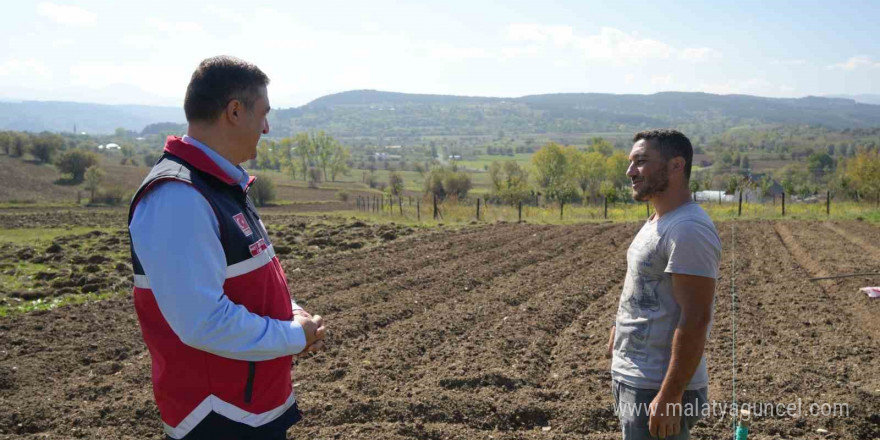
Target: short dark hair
{"type": "Point", "coordinates": [670, 143]}
{"type": "Point", "coordinates": [217, 81]}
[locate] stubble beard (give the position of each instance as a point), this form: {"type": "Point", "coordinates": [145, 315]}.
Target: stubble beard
{"type": "Point", "coordinates": [652, 186]}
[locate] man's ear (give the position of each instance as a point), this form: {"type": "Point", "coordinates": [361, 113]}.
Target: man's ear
{"type": "Point", "coordinates": [678, 163]}
{"type": "Point", "coordinates": [234, 111]}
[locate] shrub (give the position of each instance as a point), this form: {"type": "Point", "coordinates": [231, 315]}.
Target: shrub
{"type": "Point", "coordinates": [262, 191]}
{"type": "Point", "coordinates": [395, 181]}
{"type": "Point", "coordinates": [93, 177]}
{"type": "Point", "coordinates": [112, 196]}
{"type": "Point", "coordinates": [76, 162]}
{"type": "Point", "coordinates": [342, 195]}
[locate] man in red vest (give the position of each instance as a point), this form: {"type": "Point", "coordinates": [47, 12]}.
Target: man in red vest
{"type": "Point", "coordinates": [211, 297]}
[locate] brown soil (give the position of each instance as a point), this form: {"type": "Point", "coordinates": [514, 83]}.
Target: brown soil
{"type": "Point", "coordinates": [495, 331]}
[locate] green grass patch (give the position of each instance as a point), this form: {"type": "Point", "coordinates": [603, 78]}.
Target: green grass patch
{"type": "Point", "coordinates": [24, 273]}
{"type": "Point", "coordinates": [463, 213]}
{"type": "Point", "coordinates": [32, 236]}
{"type": "Point", "coordinates": [51, 303]}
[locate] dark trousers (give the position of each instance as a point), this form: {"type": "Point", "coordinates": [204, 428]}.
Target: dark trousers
{"type": "Point", "coordinates": [217, 427]}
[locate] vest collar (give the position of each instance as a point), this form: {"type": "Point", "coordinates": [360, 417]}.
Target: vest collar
{"type": "Point", "coordinates": [195, 157]}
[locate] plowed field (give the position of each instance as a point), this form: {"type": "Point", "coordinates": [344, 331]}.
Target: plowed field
{"type": "Point", "coordinates": [494, 331]}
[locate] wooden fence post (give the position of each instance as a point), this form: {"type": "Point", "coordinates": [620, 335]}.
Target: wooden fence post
{"type": "Point", "coordinates": [478, 209]}
{"type": "Point", "coordinates": [827, 202]}
{"type": "Point", "coordinates": [419, 210]}
{"type": "Point", "coordinates": [740, 212]}
{"type": "Point", "coordinates": [436, 212]}
{"type": "Point", "coordinates": [605, 199]}
{"type": "Point", "coordinates": [519, 209]}
{"type": "Point", "coordinates": [783, 203]}
{"type": "Point", "coordinates": [561, 208]}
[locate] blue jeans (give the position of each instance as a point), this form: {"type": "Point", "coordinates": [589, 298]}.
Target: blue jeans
{"type": "Point", "coordinates": [631, 405]}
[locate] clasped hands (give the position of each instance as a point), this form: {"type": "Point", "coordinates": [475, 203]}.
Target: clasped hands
{"type": "Point", "coordinates": [313, 327]}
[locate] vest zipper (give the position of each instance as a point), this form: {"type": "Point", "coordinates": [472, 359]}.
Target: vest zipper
{"type": "Point", "coordinates": [249, 387]}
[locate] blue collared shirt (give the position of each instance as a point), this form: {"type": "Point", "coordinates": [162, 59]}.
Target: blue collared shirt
{"type": "Point", "coordinates": [176, 236]}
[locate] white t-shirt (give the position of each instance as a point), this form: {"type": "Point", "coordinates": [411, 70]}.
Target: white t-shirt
{"type": "Point", "coordinates": [683, 241]}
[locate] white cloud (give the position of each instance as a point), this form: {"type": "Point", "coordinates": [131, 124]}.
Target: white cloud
{"type": "Point", "coordinates": [63, 42]}
{"type": "Point", "coordinates": [609, 44]}
{"type": "Point", "coordinates": [796, 62]}
{"type": "Point", "coordinates": [519, 51]}
{"type": "Point", "coordinates": [697, 54]}
{"type": "Point", "coordinates": [163, 80]}
{"type": "Point", "coordinates": [621, 48]}
{"type": "Point", "coordinates": [451, 53]}
{"type": "Point", "coordinates": [856, 62]}
{"type": "Point", "coordinates": [559, 35]}
{"type": "Point", "coordinates": [66, 14]}
{"type": "Point", "coordinates": [629, 78]}
{"type": "Point", "coordinates": [24, 68]}
{"type": "Point", "coordinates": [752, 86]}
{"type": "Point", "coordinates": [161, 25]}
{"type": "Point", "coordinates": [661, 80]}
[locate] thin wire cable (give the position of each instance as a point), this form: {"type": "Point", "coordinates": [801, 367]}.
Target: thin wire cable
{"type": "Point", "coordinates": [733, 313]}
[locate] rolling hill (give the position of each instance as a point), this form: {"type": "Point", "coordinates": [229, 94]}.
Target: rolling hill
{"type": "Point", "coordinates": [407, 117]}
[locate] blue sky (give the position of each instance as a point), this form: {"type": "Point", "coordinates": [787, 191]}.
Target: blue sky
{"type": "Point", "coordinates": [144, 52]}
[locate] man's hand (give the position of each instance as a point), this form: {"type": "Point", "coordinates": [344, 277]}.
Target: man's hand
{"type": "Point", "coordinates": [314, 329]}
{"type": "Point", "coordinates": [665, 414]}
{"type": "Point", "coordinates": [610, 353]}
{"type": "Point", "coordinates": [302, 312]}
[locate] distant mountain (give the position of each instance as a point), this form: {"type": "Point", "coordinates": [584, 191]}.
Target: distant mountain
{"type": "Point", "coordinates": [864, 98]}
{"type": "Point", "coordinates": [56, 116]}
{"type": "Point", "coordinates": [409, 117]}
{"type": "Point", "coordinates": [400, 115]}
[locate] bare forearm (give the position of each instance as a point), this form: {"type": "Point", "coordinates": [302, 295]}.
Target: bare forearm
{"type": "Point", "coordinates": [688, 344]}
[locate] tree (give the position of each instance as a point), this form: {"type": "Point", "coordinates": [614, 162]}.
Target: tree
{"type": "Point", "coordinates": [323, 147]}
{"type": "Point", "coordinates": [93, 177]}
{"type": "Point", "coordinates": [20, 144]}
{"type": "Point", "coordinates": [615, 169]}
{"type": "Point", "coordinates": [314, 177]}
{"type": "Point", "coordinates": [510, 181]}
{"type": "Point", "coordinates": [443, 182]}
{"type": "Point", "coordinates": [264, 159]}
{"type": "Point", "coordinates": [339, 160]}
{"type": "Point", "coordinates": [820, 163]}
{"type": "Point", "coordinates": [694, 185]}
{"type": "Point", "coordinates": [76, 162]}
{"type": "Point", "coordinates": [286, 157]}
{"type": "Point", "coordinates": [395, 182]}
{"type": "Point", "coordinates": [45, 145]}
{"type": "Point", "coordinates": [600, 145]}
{"type": "Point", "coordinates": [6, 140]}
{"type": "Point", "coordinates": [588, 169]}
{"type": "Point", "coordinates": [304, 152]}
{"type": "Point", "coordinates": [457, 183]}
{"type": "Point", "coordinates": [765, 185]}
{"type": "Point", "coordinates": [554, 172]}
{"type": "Point", "coordinates": [863, 171]}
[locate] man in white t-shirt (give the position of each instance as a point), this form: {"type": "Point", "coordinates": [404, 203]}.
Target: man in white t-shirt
{"type": "Point", "coordinates": [658, 370]}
